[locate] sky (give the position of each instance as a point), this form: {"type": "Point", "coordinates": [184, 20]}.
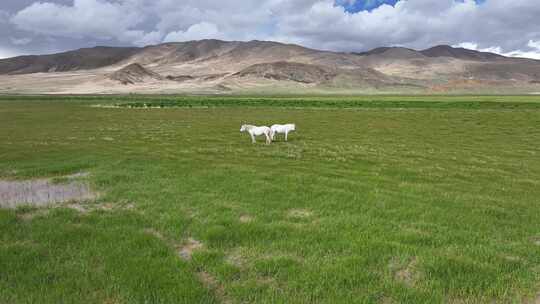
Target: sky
{"type": "Point", "coordinates": [502, 26]}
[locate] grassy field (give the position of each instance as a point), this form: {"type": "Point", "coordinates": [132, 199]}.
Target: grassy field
{"type": "Point", "coordinates": [388, 199]}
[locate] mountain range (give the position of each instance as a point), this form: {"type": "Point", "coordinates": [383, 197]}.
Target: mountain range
{"type": "Point", "coordinates": [215, 66]}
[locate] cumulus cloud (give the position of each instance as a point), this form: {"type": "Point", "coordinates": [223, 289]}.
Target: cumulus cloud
{"type": "Point", "coordinates": [416, 24]}
{"type": "Point", "coordinates": [413, 23]}
{"type": "Point", "coordinates": [85, 18]}
{"type": "Point", "coordinates": [235, 19]}
{"type": "Point", "coordinates": [323, 24]}
{"type": "Point", "coordinates": [532, 52]}
{"type": "Point", "coordinates": [203, 30]}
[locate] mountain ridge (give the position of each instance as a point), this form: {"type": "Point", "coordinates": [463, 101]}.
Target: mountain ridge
{"type": "Point", "coordinates": [106, 55]}
{"type": "Point", "coordinates": [210, 63]}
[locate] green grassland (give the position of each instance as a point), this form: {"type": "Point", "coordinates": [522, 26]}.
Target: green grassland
{"type": "Point", "coordinates": [374, 199]}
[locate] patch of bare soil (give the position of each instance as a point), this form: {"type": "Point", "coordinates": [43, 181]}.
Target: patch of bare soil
{"type": "Point", "coordinates": [186, 251]}
{"type": "Point", "coordinates": [44, 192]}
{"type": "Point", "coordinates": [246, 218]}
{"type": "Point", "coordinates": [534, 300]}
{"type": "Point", "coordinates": [211, 283]}
{"type": "Point", "coordinates": [408, 275]}
{"type": "Point", "coordinates": [236, 258]}
{"type": "Point", "coordinates": [299, 213]}
{"type": "Point", "coordinates": [112, 301]}
{"type": "Point", "coordinates": [511, 258]}
{"type": "Point", "coordinates": [78, 207]}
{"type": "Point", "coordinates": [28, 216]}
{"type": "Point", "coordinates": [129, 206]}
{"type": "Point", "coordinates": [107, 207]}
{"type": "Point", "coordinates": [387, 300]}
{"type": "Point", "coordinates": [536, 240]}
{"type": "Point", "coordinates": [82, 208]}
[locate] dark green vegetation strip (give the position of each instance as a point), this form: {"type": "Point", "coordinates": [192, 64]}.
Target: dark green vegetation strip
{"type": "Point", "coordinates": [330, 103]}
{"type": "Point", "coordinates": [376, 206]}
{"type": "Point", "coordinates": [427, 102]}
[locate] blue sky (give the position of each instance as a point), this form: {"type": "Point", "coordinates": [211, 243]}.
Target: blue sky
{"type": "Point", "coordinates": [363, 5]}
{"type": "Point", "coordinates": [354, 6]}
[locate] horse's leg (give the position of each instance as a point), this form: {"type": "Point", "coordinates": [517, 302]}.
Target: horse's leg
{"type": "Point", "coordinates": [252, 138]}
{"type": "Point", "coordinates": [286, 133]}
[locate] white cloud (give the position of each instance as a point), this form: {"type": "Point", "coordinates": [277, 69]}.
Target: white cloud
{"type": "Point", "coordinates": [203, 30]}
{"type": "Point", "coordinates": [534, 44]}
{"type": "Point", "coordinates": [86, 18]}
{"type": "Point", "coordinates": [413, 23]}
{"type": "Point", "coordinates": [416, 24]}
{"type": "Point", "coordinates": [474, 46]}
{"type": "Point", "coordinates": [467, 45]}
{"type": "Point", "coordinates": [533, 52]}
{"type": "Point", "coordinates": [509, 25]}
{"type": "Point", "coordinates": [7, 53]}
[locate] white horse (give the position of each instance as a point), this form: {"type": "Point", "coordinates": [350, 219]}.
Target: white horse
{"type": "Point", "coordinates": [257, 131]}
{"type": "Point", "coordinates": [283, 129]}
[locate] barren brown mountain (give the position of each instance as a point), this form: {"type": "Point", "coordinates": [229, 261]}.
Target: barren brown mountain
{"type": "Point", "coordinates": [134, 73]}
{"type": "Point", "coordinates": [263, 66]}
{"type": "Point", "coordinates": [82, 59]}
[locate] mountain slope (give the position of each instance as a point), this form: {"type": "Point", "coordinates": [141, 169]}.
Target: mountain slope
{"type": "Point", "coordinates": [203, 66]}
{"type": "Point", "coordinates": [134, 73]}
{"type": "Point", "coordinates": [460, 53]}
{"type": "Point", "coordinates": [82, 59]}
{"type": "Point", "coordinates": [393, 53]}
{"type": "Point", "coordinates": [291, 71]}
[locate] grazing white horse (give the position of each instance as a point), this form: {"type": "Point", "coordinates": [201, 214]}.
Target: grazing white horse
{"type": "Point", "coordinates": [283, 129]}
{"type": "Point", "coordinates": [257, 131]}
